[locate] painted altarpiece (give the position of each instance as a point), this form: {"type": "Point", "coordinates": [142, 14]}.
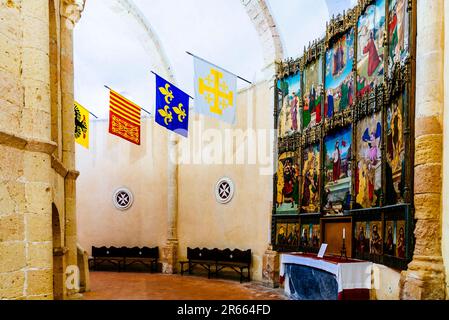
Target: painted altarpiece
{"type": "Point", "coordinates": [352, 96]}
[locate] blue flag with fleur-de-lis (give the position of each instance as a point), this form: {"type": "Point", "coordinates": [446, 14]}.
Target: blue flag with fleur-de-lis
{"type": "Point", "coordinates": [172, 107]}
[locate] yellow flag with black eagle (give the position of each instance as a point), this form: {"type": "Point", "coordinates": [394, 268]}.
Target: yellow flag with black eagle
{"type": "Point", "coordinates": [81, 125]}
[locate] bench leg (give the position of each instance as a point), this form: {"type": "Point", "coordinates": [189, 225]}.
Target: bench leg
{"type": "Point", "coordinates": [154, 265]}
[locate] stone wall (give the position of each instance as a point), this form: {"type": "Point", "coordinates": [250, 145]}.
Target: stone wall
{"type": "Point", "coordinates": [425, 277]}
{"type": "Point", "coordinates": [445, 219]}
{"type": "Point", "coordinates": [33, 174]}
{"type": "Point", "coordinates": [25, 148]}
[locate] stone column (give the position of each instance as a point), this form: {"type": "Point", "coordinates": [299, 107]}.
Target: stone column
{"type": "Point", "coordinates": [425, 277]}
{"type": "Point", "coordinates": [25, 149]}
{"type": "Point", "coordinates": [70, 14]}
{"type": "Point", "coordinates": [170, 250]}
{"type": "Point", "coordinates": [270, 260]}
{"type": "Point", "coordinates": [270, 268]}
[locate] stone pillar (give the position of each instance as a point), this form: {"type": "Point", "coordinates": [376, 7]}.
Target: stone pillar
{"type": "Point", "coordinates": [70, 14]}
{"type": "Point", "coordinates": [270, 268]}
{"type": "Point", "coordinates": [170, 250]}
{"type": "Point", "coordinates": [25, 149]}
{"type": "Point", "coordinates": [446, 152]}
{"type": "Point", "coordinates": [425, 278]}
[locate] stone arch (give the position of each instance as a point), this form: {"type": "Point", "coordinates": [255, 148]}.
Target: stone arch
{"type": "Point", "coordinates": [147, 36]}
{"type": "Point", "coordinates": [58, 255]}
{"type": "Point", "coordinates": [260, 14]}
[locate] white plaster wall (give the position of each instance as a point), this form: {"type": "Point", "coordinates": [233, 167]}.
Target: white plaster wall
{"type": "Point", "coordinates": [385, 283]}
{"type": "Point", "coordinates": [243, 223]}
{"type": "Point", "coordinates": [110, 163]}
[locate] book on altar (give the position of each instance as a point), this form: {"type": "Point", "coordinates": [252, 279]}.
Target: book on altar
{"type": "Point", "coordinates": [322, 250]}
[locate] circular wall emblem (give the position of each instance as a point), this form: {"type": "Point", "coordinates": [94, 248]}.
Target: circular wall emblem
{"type": "Point", "coordinates": [224, 190]}
{"type": "Point", "coordinates": [123, 199]}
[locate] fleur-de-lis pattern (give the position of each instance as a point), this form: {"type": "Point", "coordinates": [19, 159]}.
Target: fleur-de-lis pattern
{"type": "Point", "coordinates": [167, 93]}
{"type": "Point", "coordinates": [181, 112]}
{"type": "Point", "coordinates": [172, 107]}
{"type": "Point", "coordinates": [166, 114]}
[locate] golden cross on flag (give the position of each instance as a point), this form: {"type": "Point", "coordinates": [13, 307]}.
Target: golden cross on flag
{"type": "Point", "coordinates": [216, 92]}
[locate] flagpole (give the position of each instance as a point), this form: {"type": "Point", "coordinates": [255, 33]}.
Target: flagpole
{"type": "Point", "coordinates": [139, 106]}
{"type": "Point", "coordinates": [87, 111]}
{"type": "Point", "coordinates": [92, 114]}
{"type": "Point", "coordinates": [193, 55]}
{"type": "Point", "coordinates": [167, 81]}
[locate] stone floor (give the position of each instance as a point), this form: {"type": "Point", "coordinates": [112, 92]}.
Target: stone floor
{"type": "Point", "coordinates": [157, 286]}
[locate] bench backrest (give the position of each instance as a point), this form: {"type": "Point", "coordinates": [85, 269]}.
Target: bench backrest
{"type": "Point", "coordinates": [201, 254]}
{"type": "Point", "coordinates": [235, 255]}
{"type": "Point", "coordinates": [144, 252]}
{"type": "Point", "coordinates": [122, 252]}
{"type": "Point", "coordinates": [107, 252]}
{"type": "Point", "coordinates": [226, 255]}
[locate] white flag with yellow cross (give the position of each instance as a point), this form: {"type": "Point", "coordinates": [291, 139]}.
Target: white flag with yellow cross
{"type": "Point", "coordinates": [215, 91]}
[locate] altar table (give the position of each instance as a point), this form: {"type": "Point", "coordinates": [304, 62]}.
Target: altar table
{"type": "Point", "coordinates": [307, 277]}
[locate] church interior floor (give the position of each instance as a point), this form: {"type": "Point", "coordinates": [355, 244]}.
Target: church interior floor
{"type": "Point", "coordinates": [157, 286]}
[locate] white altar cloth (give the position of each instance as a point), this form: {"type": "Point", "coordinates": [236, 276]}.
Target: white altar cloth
{"type": "Point", "coordinates": [354, 274]}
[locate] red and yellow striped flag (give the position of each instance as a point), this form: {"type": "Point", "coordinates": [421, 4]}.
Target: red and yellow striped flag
{"type": "Point", "coordinates": [124, 118]}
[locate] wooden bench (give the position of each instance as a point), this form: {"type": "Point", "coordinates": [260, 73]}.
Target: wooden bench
{"type": "Point", "coordinates": [215, 260]}
{"type": "Point", "coordinates": [124, 257]}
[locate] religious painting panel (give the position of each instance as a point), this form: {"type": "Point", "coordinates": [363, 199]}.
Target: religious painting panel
{"type": "Point", "coordinates": [289, 115]}
{"type": "Point", "coordinates": [368, 235]}
{"type": "Point", "coordinates": [400, 239]}
{"type": "Point", "coordinates": [395, 234]}
{"type": "Point", "coordinates": [293, 234]}
{"type": "Point", "coordinates": [368, 175]}
{"type": "Point", "coordinates": [287, 234]}
{"type": "Point", "coordinates": [310, 237]}
{"type": "Point", "coordinates": [287, 183]}
{"type": "Point", "coordinates": [374, 233]}
{"type": "Point", "coordinates": [361, 238]}
{"type": "Point", "coordinates": [310, 200]}
{"type": "Point", "coordinates": [370, 48]}
{"type": "Point", "coordinates": [395, 166]}
{"type": "Point", "coordinates": [390, 238]}
{"type": "Point", "coordinates": [313, 84]}
{"type": "Point", "coordinates": [339, 76]}
{"type": "Point", "coordinates": [281, 234]}
{"type": "Point", "coordinates": [398, 29]}
{"type": "Point", "coordinates": [337, 175]}
{"type": "Point", "coordinates": [306, 236]}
